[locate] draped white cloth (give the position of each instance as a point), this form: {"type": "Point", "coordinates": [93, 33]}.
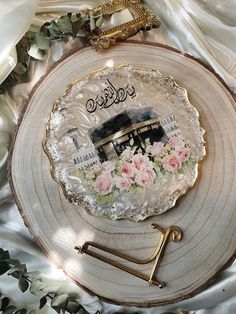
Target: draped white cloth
{"type": "Point", "coordinates": [204, 28]}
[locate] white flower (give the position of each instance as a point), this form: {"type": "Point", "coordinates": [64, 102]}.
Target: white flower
{"type": "Point", "coordinates": [157, 148]}
{"type": "Point", "coordinates": [127, 154]}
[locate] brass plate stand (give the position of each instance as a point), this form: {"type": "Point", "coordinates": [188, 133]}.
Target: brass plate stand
{"type": "Point", "coordinates": [174, 232]}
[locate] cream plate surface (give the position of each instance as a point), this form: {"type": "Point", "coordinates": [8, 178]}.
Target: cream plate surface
{"type": "Point", "coordinates": [125, 142]}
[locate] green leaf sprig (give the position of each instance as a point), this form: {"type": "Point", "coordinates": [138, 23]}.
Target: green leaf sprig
{"type": "Point", "coordinates": [33, 45]}
{"type": "Point", "coordinates": [61, 302]}
{"type": "Point", "coordinates": [67, 26]}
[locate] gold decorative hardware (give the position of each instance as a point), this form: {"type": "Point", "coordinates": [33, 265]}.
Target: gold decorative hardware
{"type": "Point", "coordinates": [172, 231]}
{"type": "Point", "coordinates": [143, 20]}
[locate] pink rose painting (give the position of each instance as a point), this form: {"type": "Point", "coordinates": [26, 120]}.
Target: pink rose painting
{"type": "Point", "coordinates": [127, 169]}
{"type": "Point", "coordinates": [140, 161]}
{"type": "Point", "coordinates": [183, 153]}
{"type": "Point", "coordinates": [171, 163]}
{"type": "Point", "coordinates": [141, 169]}
{"type": "Point", "coordinates": [103, 184]}
{"type": "Point", "coordinates": [123, 183]}
{"type": "Point", "coordinates": [145, 178]}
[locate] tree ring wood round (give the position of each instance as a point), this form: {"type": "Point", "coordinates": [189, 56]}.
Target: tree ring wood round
{"type": "Point", "coordinates": [206, 214]}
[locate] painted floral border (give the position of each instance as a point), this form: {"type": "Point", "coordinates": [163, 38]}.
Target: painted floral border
{"type": "Point", "coordinates": [142, 168]}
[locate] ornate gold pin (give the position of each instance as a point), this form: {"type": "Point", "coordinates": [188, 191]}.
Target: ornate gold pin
{"type": "Point", "coordinates": [173, 231]}
{"type": "Point", "coordinates": [142, 19]}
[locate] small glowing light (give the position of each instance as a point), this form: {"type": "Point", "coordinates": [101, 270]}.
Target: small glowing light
{"type": "Point", "coordinates": [110, 63]}
{"type": "Point", "coordinates": [55, 257]}
{"type": "Point", "coordinates": [70, 265]}
{"type": "Point", "coordinates": [84, 235]}
{"type": "Point", "coordinates": [11, 61]}
{"type": "Point", "coordinates": [2, 122]}
{"type": "Point", "coordinates": [65, 237]}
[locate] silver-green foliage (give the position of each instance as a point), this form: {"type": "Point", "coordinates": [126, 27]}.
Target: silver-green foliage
{"type": "Point", "coordinates": [32, 281]}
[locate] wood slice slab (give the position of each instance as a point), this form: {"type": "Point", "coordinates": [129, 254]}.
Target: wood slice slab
{"type": "Point", "coordinates": [206, 214]}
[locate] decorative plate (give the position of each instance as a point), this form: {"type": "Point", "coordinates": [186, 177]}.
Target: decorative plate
{"type": "Point", "coordinates": [125, 142]}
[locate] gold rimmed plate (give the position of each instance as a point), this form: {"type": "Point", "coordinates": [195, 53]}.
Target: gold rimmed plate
{"type": "Point", "coordinates": [124, 142]}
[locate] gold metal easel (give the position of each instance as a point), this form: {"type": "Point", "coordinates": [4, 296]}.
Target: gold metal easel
{"type": "Point", "coordinates": [172, 231]}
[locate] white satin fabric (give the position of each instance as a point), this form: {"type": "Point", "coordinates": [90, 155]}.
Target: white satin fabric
{"type": "Point", "coordinates": [203, 28]}
{"type": "Point", "coordinates": [15, 19]}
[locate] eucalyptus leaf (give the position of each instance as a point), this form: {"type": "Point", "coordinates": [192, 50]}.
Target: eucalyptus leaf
{"type": "Point", "coordinates": [16, 274]}
{"type": "Point", "coordinates": [51, 30]}
{"type": "Point", "coordinates": [47, 29]}
{"type": "Point", "coordinates": [23, 284]}
{"type": "Point", "coordinates": [73, 307]}
{"type": "Point", "coordinates": [34, 275]}
{"type": "Point", "coordinates": [35, 43]}
{"type": "Point", "coordinates": [4, 267]}
{"type": "Point", "coordinates": [36, 287]}
{"type": "Point", "coordinates": [14, 262]}
{"type": "Point", "coordinates": [4, 255]}
{"type": "Point", "coordinates": [17, 271]}
{"type": "Point", "coordinates": [4, 303]}
{"type": "Point", "coordinates": [99, 21]}
{"type": "Point", "coordinates": [36, 53]}
{"type": "Point", "coordinates": [19, 268]}
{"type": "Point", "coordinates": [9, 310]}
{"type": "Point", "coordinates": [42, 41]}
{"type": "Point", "coordinates": [92, 21]}
{"type": "Point", "coordinates": [76, 26]}
{"type": "Point", "coordinates": [43, 301]}
{"type": "Point", "coordinates": [64, 24]}
{"type": "Point", "coordinates": [21, 311]}
{"type": "Point", "coordinates": [59, 302]}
